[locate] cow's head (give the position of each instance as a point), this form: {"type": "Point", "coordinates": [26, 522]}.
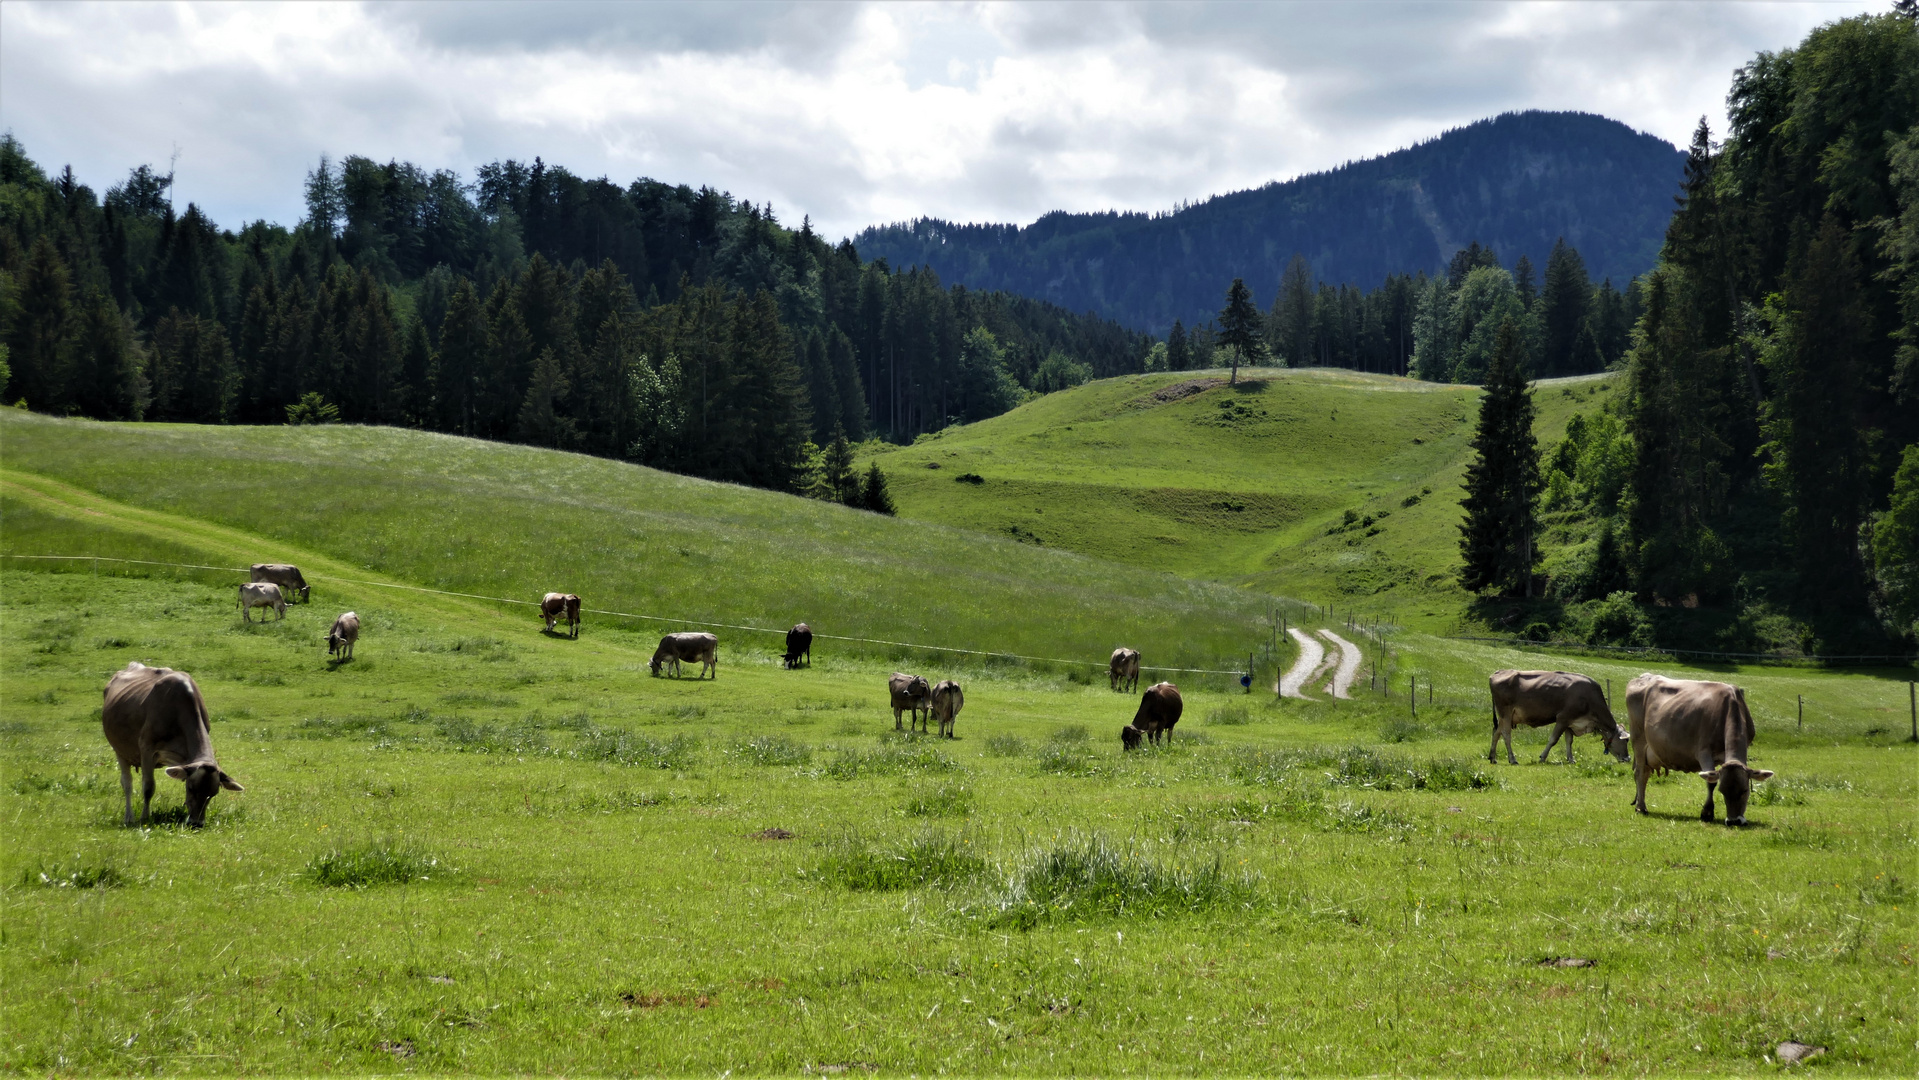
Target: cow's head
{"type": "Point", "coordinates": [1618, 744]}
{"type": "Point", "coordinates": [1735, 782]}
{"type": "Point", "coordinates": [333, 643]}
{"type": "Point", "coordinates": [918, 687]}
{"type": "Point", "coordinates": [203, 781]}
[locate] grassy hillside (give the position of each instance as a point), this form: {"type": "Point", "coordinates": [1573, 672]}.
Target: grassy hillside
{"type": "Point", "coordinates": [507, 521]}
{"type": "Point", "coordinates": [1182, 473]}
{"type": "Point", "coordinates": [481, 849]}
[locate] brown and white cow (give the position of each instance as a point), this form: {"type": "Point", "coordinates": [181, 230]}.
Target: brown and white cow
{"type": "Point", "coordinates": [1159, 709]}
{"type": "Point", "coordinates": [155, 716]}
{"type": "Point", "coordinates": [285, 575]}
{"type": "Point", "coordinates": [688, 646]}
{"type": "Point", "coordinates": [799, 642]}
{"type": "Point", "coordinates": [1573, 704]}
{"type": "Point", "coordinates": [261, 594]}
{"type": "Point", "coordinates": [340, 639]}
{"type": "Point", "coordinates": [1703, 726]}
{"type": "Point", "coordinates": [947, 702]}
{"type": "Point", "coordinates": [909, 693]}
{"type": "Point", "coordinates": [1123, 668]}
{"type": "Point", "coordinates": [555, 606]}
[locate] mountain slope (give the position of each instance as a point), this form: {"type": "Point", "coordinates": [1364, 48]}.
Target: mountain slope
{"type": "Point", "coordinates": [1516, 183]}
{"type": "Point", "coordinates": [1182, 473]}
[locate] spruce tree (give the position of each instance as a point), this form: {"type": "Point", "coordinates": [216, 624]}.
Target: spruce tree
{"type": "Point", "coordinates": [1178, 356]}
{"type": "Point", "coordinates": [838, 482]}
{"type": "Point", "coordinates": [1497, 541]}
{"type": "Point", "coordinates": [1563, 304]}
{"type": "Point", "coordinates": [1239, 328]}
{"type": "Point", "coordinates": [873, 494]}
{"type": "Point", "coordinates": [542, 420]}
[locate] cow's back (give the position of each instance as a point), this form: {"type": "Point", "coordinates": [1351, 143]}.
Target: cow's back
{"type": "Point", "coordinates": [1159, 708]}
{"type": "Point", "coordinates": [157, 707]}
{"type": "Point", "coordinates": [1680, 720]}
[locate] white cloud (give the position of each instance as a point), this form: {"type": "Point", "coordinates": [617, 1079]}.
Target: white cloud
{"type": "Point", "coordinates": [853, 114]}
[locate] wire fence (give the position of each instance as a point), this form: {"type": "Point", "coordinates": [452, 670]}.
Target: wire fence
{"type": "Point", "coordinates": [671, 620]}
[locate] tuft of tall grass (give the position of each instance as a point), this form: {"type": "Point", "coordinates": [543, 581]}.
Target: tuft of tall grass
{"type": "Point", "coordinates": [1230, 715]}
{"type": "Point", "coordinates": [929, 859]}
{"type": "Point", "coordinates": [477, 738]}
{"type": "Point", "coordinates": [1086, 876]}
{"type": "Point", "coordinates": [369, 865]}
{"type": "Point", "coordinates": [1005, 746]}
{"type": "Point", "coordinates": [772, 750]}
{"type": "Point", "coordinates": [1065, 759]}
{"type": "Point", "coordinates": [80, 876]}
{"type": "Point", "coordinates": [631, 748]}
{"type": "Point", "coordinates": [939, 800]}
{"type": "Point", "coordinates": [35, 784]}
{"type": "Point", "coordinates": [898, 760]}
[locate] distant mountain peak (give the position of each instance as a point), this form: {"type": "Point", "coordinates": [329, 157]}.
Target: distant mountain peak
{"type": "Point", "coordinates": [1515, 182]}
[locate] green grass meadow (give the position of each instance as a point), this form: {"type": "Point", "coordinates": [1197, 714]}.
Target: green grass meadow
{"type": "Point", "coordinates": [1181, 472]}
{"type": "Point", "coordinates": [479, 848]}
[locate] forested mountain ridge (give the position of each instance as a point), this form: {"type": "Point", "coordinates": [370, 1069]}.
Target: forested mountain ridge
{"type": "Point", "coordinates": [664, 324]}
{"type": "Point", "coordinates": [1515, 183]}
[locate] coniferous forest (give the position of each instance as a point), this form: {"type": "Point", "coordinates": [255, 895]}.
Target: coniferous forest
{"type": "Point", "coordinates": [663, 324]}
{"type": "Point", "coordinates": [1762, 467]}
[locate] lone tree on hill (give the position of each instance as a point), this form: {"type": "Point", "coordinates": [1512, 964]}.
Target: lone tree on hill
{"type": "Point", "coordinates": [1496, 540]}
{"type": "Point", "coordinates": [874, 496]}
{"type": "Point", "coordinates": [1239, 326]}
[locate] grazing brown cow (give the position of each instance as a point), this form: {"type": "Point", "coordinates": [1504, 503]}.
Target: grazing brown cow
{"type": "Point", "coordinates": [1573, 704]}
{"type": "Point", "coordinates": [1159, 709]}
{"type": "Point", "coordinates": [947, 703]}
{"type": "Point", "coordinates": [1681, 724]}
{"type": "Point", "coordinates": [340, 639]}
{"type": "Point", "coordinates": [688, 646]}
{"type": "Point", "coordinates": [799, 642]}
{"type": "Point", "coordinates": [1129, 738]}
{"type": "Point", "coordinates": [156, 716]}
{"type": "Point", "coordinates": [265, 594]}
{"type": "Point", "coordinates": [285, 575]}
{"type": "Point", "coordinates": [1123, 668]}
{"type": "Point", "coordinates": [909, 693]}
{"type": "Point", "coordinates": [556, 606]}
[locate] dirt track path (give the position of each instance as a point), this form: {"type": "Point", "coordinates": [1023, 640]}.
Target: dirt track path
{"type": "Point", "coordinates": [1306, 668]}
{"type": "Point", "coordinates": [1341, 684]}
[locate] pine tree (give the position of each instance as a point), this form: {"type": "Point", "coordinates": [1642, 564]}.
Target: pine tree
{"type": "Point", "coordinates": [1497, 541]}
{"type": "Point", "coordinates": [41, 337]}
{"type": "Point", "coordinates": [1523, 281]}
{"type": "Point", "coordinates": [456, 371]}
{"type": "Point", "coordinates": [542, 420]}
{"type": "Point", "coordinates": [1564, 303]}
{"type": "Point", "coordinates": [838, 482]}
{"type": "Point", "coordinates": [1292, 330]}
{"type": "Point", "coordinates": [1178, 356]}
{"type": "Point", "coordinates": [1239, 328]}
{"type": "Point", "coordinates": [873, 494]}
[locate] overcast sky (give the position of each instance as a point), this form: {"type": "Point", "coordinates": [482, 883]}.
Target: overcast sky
{"type": "Point", "coordinates": [853, 113]}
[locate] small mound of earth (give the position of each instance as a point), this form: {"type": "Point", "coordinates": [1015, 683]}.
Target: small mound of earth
{"type": "Point", "coordinates": [1568, 962]}
{"type": "Point", "coordinates": [770, 834]}
{"type": "Point", "coordinates": [1179, 390]}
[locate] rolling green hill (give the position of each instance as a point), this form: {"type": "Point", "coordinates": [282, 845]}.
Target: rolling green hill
{"type": "Point", "coordinates": [511, 521]}
{"type": "Point", "coordinates": [1247, 484]}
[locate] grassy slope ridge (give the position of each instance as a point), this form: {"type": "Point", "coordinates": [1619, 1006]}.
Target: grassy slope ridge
{"type": "Point", "coordinates": [1234, 483]}
{"type": "Point", "coordinates": [499, 520]}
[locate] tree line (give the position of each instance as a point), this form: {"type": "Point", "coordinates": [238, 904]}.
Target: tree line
{"type": "Point", "coordinates": [659, 323]}
{"type": "Point", "coordinates": [1441, 329]}
{"type": "Point", "coordinates": [1763, 461]}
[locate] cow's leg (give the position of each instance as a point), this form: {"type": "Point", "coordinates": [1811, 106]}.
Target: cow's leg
{"type": "Point", "coordinates": [146, 787]}
{"type": "Point", "coordinates": [896, 718]}
{"type": "Point", "coordinates": [126, 790]}
{"type": "Point", "coordinates": [1492, 753]}
{"type": "Point", "coordinates": [1705, 814]}
{"type": "Point", "coordinates": [1560, 727]}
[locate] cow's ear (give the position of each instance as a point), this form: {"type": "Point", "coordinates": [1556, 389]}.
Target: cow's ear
{"type": "Point", "coordinates": [1710, 777]}
{"type": "Point", "coordinates": [230, 783]}
{"type": "Point", "coordinates": [178, 772]}
{"type": "Point", "coordinates": [1762, 774]}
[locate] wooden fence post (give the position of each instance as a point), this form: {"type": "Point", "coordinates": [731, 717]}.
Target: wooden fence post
{"type": "Point", "coordinates": [1802, 712]}
{"type": "Point", "coordinates": [1912, 702]}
